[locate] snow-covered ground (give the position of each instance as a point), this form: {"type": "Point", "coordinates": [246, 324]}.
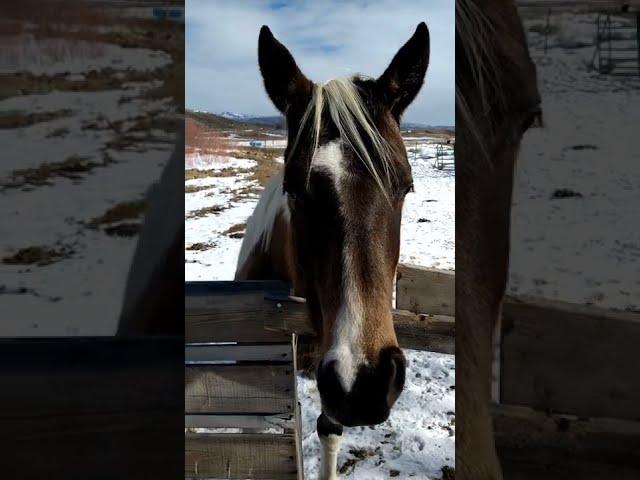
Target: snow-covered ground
{"type": "Point", "coordinates": [415, 442]}
{"type": "Point", "coordinates": [418, 439]}
{"type": "Point", "coordinates": [69, 158]}
{"type": "Point", "coordinates": [428, 221]}
{"type": "Point", "coordinates": [584, 246]}
{"type": "Point", "coordinates": [56, 56]}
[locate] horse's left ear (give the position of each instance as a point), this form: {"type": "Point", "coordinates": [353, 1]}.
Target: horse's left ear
{"type": "Point", "coordinates": [283, 80]}
{"type": "Point", "coordinates": [401, 81]}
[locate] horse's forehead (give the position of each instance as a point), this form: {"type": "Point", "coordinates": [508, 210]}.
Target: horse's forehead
{"type": "Point", "coordinates": [330, 159]}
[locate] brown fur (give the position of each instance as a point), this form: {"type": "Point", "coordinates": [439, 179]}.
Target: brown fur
{"type": "Point", "coordinates": [341, 246]}
{"type": "Point", "coordinates": [491, 119]}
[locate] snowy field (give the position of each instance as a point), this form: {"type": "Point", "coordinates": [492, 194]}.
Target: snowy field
{"type": "Point", "coordinates": [71, 220]}
{"type": "Point", "coordinates": [576, 197]}
{"type": "Point", "coordinates": [418, 439]}
{"type": "Point", "coordinates": [427, 223]}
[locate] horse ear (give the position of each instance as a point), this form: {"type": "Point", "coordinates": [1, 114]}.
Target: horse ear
{"type": "Point", "coordinates": [283, 80]}
{"type": "Point", "coordinates": [401, 81]}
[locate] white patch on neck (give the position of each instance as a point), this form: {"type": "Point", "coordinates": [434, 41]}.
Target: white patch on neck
{"type": "Point", "coordinates": [260, 225]}
{"type": "Point", "coordinates": [345, 347]}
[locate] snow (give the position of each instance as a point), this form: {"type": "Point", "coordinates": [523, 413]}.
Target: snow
{"type": "Point", "coordinates": [80, 294]}
{"type": "Point", "coordinates": [234, 116]}
{"type": "Point", "coordinates": [416, 441]}
{"type": "Point", "coordinates": [200, 161]}
{"type": "Point", "coordinates": [427, 236]}
{"type": "Point", "coordinates": [58, 55]}
{"type": "Point", "coordinates": [583, 249]}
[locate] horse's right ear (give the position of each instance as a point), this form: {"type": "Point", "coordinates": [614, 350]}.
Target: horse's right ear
{"type": "Point", "coordinates": [283, 80]}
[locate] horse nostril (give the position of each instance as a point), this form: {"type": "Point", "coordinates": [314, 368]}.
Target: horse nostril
{"type": "Point", "coordinates": [397, 365]}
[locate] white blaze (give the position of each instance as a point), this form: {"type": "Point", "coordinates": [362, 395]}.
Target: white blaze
{"type": "Point", "coordinates": [345, 346]}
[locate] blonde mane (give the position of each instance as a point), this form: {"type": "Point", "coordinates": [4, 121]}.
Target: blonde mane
{"type": "Point", "coordinates": [476, 34]}
{"type": "Point", "coordinates": [346, 108]}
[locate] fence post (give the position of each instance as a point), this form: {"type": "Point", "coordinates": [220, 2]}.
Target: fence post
{"type": "Point", "coordinates": [638, 39]}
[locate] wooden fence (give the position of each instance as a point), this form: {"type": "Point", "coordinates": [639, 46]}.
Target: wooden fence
{"type": "Point", "coordinates": [100, 408]}
{"type": "Point", "coordinates": [570, 395]}
{"type": "Point", "coordinates": [241, 411]}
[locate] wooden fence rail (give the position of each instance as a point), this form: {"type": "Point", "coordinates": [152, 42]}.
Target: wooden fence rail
{"type": "Point", "coordinates": [265, 312]}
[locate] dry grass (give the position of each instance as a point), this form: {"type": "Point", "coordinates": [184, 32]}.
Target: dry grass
{"type": "Point", "coordinates": [126, 230]}
{"type": "Point", "coordinates": [38, 256]}
{"type": "Point", "coordinates": [119, 212]}
{"type": "Point", "coordinates": [203, 212]}
{"type": "Point", "coordinates": [194, 173]}
{"type": "Point", "coordinates": [16, 119]}
{"type": "Point", "coordinates": [265, 158]}
{"type": "Point", "coordinates": [72, 168]}
{"type": "Point", "coordinates": [202, 138]}
{"type": "Point", "coordinates": [194, 189]}
{"type": "Point", "coordinates": [235, 231]}
{"type": "Point", "coordinates": [49, 16]}
{"type": "Point", "coordinates": [201, 246]}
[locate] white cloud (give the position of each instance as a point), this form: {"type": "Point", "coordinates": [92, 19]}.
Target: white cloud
{"type": "Point", "coordinates": [327, 38]}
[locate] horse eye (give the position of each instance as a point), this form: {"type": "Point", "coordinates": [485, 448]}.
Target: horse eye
{"type": "Point", "coordinates": [533, 118]}
{"type": "Point", "coordinates": [409, 189]}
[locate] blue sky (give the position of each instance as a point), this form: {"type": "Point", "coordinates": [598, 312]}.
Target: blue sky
{"type": "Point", "coordinates": [327, 38]}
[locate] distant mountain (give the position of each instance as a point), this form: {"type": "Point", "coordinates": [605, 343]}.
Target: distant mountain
{"type": "Point", "coordinates": [234, 116]}
{"type": "Point", "coordinates": [230, 120]}
{"type": "Point", "coordinates": [277, 122]}
{"type": "Point", "coordinates": [273, 121]}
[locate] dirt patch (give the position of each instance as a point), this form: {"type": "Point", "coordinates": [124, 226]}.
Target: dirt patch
{"type": "Point", "coordinates": [582, 147]}
{"type": "Point", "coordinates": [156, 122]}
{"type": "Point", "coordinates": [235, 231]}
{"type": "Point", "coordinates": [72, 168]}
{"type": "Point", "coordinates": [448, 473]}
{"type": "Point", "coordinates": [358, 455]}
{"type": "Point", "coordinates": [58, 132]}
{"type": "Point", "coordinates": [565, 193]}
{"type": "Point", "coordinates": [38, 256]}
{"type": "Point", "coordinates": [203, 212]}
{"type": "Point", "coordinates": [194, 189]}
{"type": "Point", "coordinates": [201, 246]}
{"type": "Point", "coordinates": [19, 119]}
{"type": "Point", "coordinates": [266, 167]}
{"type": "Point", "coordinates": [194, 173]}
{"type": "Point", "coordinates": [119, 212]}
{"type": "Point", "coordinates": [123, 230]}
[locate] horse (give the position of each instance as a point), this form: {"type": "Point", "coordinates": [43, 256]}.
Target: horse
{"type": "Point", "coordinates": [497, 100]}
{"type": "Point", "coordinates": [329, 224]}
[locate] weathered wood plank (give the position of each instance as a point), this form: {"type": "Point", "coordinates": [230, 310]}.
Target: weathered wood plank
{"type": "Point", "coordinates": [535, 445]}
{"type": "Point", "coordinates": [260, 389]}
{"type": "Point", "coordinates": [250, 316]}
{"type": "Point", "coordinates": [240, 456]}
{"type": "Point", "coordinates": [112, 407]}
{"type": "Point", "coordinates": [422, 332]}
{"type": "Point", "coordinates": [425, 290]}
{"type": "Point", "coordinates": [562, 357]}
{"type": "Point", "coordinates": [285, 422]}
{"type": "Point", "coordinates": [245, 317]}
{"type": "Point", "coordinates": [201, 353]}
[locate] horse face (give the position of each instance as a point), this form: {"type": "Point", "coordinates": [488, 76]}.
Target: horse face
{"type": "Point", "coordinates": [345, 195]}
